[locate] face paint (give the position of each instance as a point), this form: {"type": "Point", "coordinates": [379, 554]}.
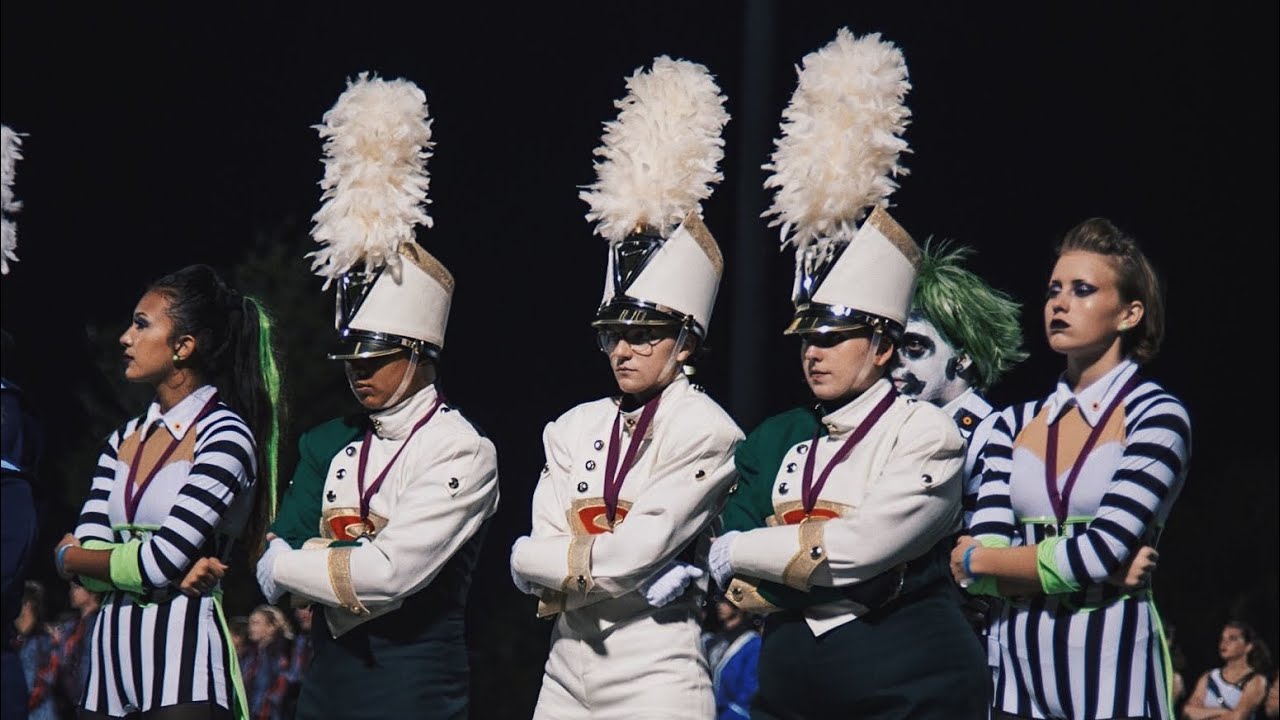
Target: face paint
{"type": "Point", "coordinates": [927, 367]}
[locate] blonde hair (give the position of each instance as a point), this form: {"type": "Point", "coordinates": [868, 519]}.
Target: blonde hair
{"type": "Point", "coordinates": [277, 620]}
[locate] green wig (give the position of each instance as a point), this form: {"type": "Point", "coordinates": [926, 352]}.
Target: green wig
{"type": "Point", "coordinates": [974, 317]}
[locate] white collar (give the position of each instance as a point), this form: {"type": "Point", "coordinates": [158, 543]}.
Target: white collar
{"type": "Point", "coordinates": [854, 412]}
{"type": "Point", "coordinates": [395, 423]}
{"type": "Point", "coordinates": [631, 417]}
{"type": "Point", "coordinates": [968, 400]}
{"type": "Point", "coordinates": [1095, 398]}
{"type": "Point", "coordinates": [180, 417]}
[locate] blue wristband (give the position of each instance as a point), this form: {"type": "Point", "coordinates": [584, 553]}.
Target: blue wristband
{"type": "Point", "coordinates": [968, 554]}
{"type": "Point", "coordinates": [59, 560]}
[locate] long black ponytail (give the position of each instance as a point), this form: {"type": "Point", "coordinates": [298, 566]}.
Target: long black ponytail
{"type": "Point", "coordinates": [235, 353]}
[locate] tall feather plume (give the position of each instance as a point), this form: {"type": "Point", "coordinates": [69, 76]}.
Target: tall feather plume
{"type": "Point", "coordinates": [840, 140]}
{"type": "Point", "coordinates": [377, 139]}
{"type": "Point", "coordinates": [659, 156]}
{"type": "Point", "coordinates": [10, 154]}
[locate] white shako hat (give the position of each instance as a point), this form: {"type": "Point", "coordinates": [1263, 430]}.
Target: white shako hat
{"type": "Point", "coordinates": [377, 142]}
{"type": "Point", "coordinates": [833, 163]}
{"type": "Point", "coordinates": [659, 160]}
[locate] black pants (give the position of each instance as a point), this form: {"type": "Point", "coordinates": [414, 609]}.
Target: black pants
{"type": "Point", "coordinates": [916, 658]}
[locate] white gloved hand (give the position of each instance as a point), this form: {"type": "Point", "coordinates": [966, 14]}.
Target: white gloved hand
{"type": "Point", "coordinates": [720, 558]}
{"type": "Point", "coordinates": [522, 585]}
{"type": "Point", "coordinates": [669, 583]}
{"type": "Point", "coordinates": [266, 569]}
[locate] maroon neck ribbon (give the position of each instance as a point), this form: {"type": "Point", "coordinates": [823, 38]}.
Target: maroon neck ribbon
{"type": "Point", "coordinates": [1061, 501]}
{"type": "Point", "coordinates": [809, 490]}
{"type": "Point", "coordinates": [132, 490]}
{"type": "Point", "coordinates": [613, 475]}
{"type": "Point", "coordinates": [366, 496]}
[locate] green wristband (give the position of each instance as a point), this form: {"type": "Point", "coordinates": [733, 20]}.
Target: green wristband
{"type": "Point", "coordinates": [126, 573]}
{"type": "Point", "coordinates": [1052, 581]}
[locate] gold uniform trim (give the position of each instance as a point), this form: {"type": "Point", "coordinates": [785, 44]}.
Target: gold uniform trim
{"type": "Point", "coordinates": [745, 594]}
{"type": "Point", "coordinates": [881, 220]}
{"type": "Point", "coordinates": [812, 553]}
{"type": "Point", "coordinates": [579, 578]}
{"type": "Point", "coordinates": [701, 235]}
{"type": "Point", "coordinates": [317, 543]}
{"type": "Point", "coordinates": [340, 580]}
{"type": "Point", "coordinates": [552, 602]}
{"type": "Point", "coordinates": [428, 264]}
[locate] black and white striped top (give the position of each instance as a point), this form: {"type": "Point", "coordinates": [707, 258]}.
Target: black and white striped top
{"type": "Point", "coordinates": [1125, 489]}
{"type": "Point", "coordinates": [145, 654]}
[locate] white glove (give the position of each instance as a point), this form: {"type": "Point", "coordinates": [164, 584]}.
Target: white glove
{"type": "Point", "coordinates": [669, 583]}
{"type": "Point", "coordinates": [522, 585]}
{"type": "Point", "coordinates": [266, 569]}
{"type": "Point", "coordinates": [720, 558]}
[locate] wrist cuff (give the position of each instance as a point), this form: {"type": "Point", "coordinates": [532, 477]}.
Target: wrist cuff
{"type": "Point", "coordinates": [125, 572]}
{"type": "Point", "coordinates": [1052, 581]}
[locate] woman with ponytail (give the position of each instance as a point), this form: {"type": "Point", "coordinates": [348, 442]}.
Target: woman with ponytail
{"type": "Point", "coordinates": [173, 490]}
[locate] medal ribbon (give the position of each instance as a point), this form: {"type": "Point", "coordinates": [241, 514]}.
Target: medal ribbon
{"type": "Point", "coordinates": [1060, 501]}
{"type": "Point", "coordinates": [132, 491]}
{"type": "Point", "coordinates": [809, 490]}
{"type": "Point", "coordinates": [366, 496]}
{"type": "Point", "coordinates": [613, 475]}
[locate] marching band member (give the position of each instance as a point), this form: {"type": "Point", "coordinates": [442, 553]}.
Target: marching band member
{"type": "Point", "coordinates": [383, 522]}
{"type": "Point", "coordinates": [632, 482]}
{"type": "Point", "coordinates": [865, 486]}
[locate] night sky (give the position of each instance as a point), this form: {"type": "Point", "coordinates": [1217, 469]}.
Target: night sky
{"type": "Point", "coordinates": [161, 135]}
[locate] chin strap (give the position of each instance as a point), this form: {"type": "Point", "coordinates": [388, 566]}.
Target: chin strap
{"type": "Point", "coordinates": [404, 382]}
{"type": "Point", "coordinates": [667, 370]}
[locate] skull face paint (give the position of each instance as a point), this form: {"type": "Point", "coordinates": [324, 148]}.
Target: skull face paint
{"type": "Point", "coordinates": [927, 367]}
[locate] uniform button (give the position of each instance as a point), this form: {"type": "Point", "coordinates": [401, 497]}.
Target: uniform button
{"type": "Point", "coordinates": [453, 483]}
{"type": "Point", "coordinates": [597, 444]}
{"type": "Point", "coordinates": [351, 450]}
{"type": "Point", "coordinates": [331, 496]}
{"type": "Point", "coordinates": [700, 474]}
{"type": "Point", "coordinates": [582, 487]}
{"type": "Point", "coordinates": [341, 473]}
{"type": "Point", "coordinates": [927, 479]}
{"type": "Point", "coordinates": [815, 552]}
{"type": "Point", "coordinates": [591, 465]}
{"type": "Point", "coordinates": [737, 593]}
{"type": "Point", "coordinates": [546, 468]}
{"type": "Point", "coordinates": [791, 467]}
{"type": "Point", "coordinates": [582, 581]}
{"type": "Point", "coordinates": [802, 449]}
{"type": "Point", "coordinates": [782, 488]}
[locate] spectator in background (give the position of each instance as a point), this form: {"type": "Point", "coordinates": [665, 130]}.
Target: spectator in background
{"type": "Point", "coordinates": [1236, 690]}
{"type": "Point", "coordinates": [299, 658]}
{"type": "Point", "coordinates": [265, 663]}
{"type": "Point", "coordinates": [238, 626]}
{"type": "Point", "coordinates": [732, 648]}
{"type": "Point", "coordinates": [71, 640]}
{"type": "Point", "coordinates": [36, 651]}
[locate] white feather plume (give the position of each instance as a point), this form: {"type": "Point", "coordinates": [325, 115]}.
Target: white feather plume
{"type": "Point", "coordinates": [660, 155]}
{"type": "Point", "coordinates": [10, 154]}
{"type": "Point", "coordinates": [377, 139]}
{"type": "Point", "coordinates": [840, 140]}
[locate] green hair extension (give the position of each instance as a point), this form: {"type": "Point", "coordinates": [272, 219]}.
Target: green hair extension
{"type": "Point", "coordinates": [271, 377]}
{"type": "Point", "coordinates": [976, 318]}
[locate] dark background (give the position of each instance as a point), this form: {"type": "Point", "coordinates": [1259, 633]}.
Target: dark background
{"type": "Point", "coordinates": [161, 135]}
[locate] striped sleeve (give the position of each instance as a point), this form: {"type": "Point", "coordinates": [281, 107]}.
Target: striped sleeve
{"type": "Point", "coordinates": [1151, 471]}
{"type": "Point", "coordinates": [223, 467]}
{"type": "Point", "coordinates": [993, 510]}
{"type": "Point", "coordinates": [95, 522]}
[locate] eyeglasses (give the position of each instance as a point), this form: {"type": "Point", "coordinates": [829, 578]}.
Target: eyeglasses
{"type": "Point", "coordinates": [641, 339]}
{"type": "Point", "coordinates": [832, 339]}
